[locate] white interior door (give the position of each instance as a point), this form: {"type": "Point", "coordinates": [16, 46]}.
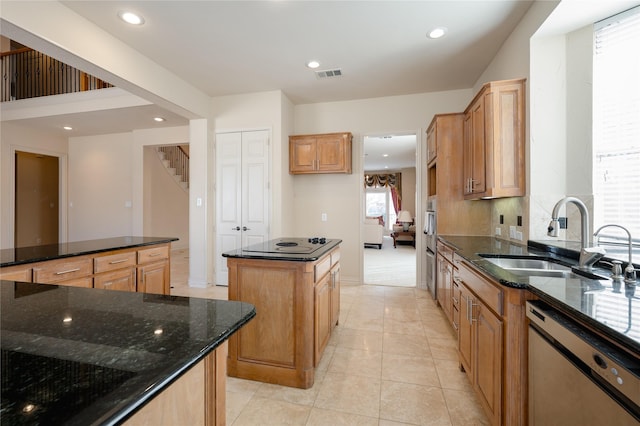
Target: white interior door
{"type": "Point", "coordinates": [242, 200]}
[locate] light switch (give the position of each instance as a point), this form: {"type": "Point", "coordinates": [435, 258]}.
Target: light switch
{"type": "Point", "coordinates": [198, 202]}
{"type": "Point", "coordinates": [323, 217]}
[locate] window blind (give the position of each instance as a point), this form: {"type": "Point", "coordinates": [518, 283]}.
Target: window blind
{"type": "Point", "coordinates": [616, 123]}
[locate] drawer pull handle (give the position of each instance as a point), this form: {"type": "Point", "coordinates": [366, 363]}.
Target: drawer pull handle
{"type": "Point", "coordinates": [67, 271]}
{"type": "Point", "coordinates": [154, 254]}
{"type": "Point", "coordinates": [113, 262]}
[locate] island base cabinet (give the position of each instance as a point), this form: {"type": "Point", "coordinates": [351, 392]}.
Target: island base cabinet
{"type": "Point", "coordinates": [154, 278]}
{"type": "Point", "coordinates": [322, 311]}
{"type": "Point", "coordinates": [123, 280]}
{"type": "Point", "coordinates": [197, 398]}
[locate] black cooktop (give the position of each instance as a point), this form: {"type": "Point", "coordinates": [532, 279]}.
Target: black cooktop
{"type": "Point", "coordinates": [289, 245]}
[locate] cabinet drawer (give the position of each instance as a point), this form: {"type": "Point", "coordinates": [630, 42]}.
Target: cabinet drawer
{"type": "Point", "coordinates": [16, 273]}
{"type": "Point", "coordinates": [445, 251]}
{"type": "Point", "coordinates": [490, 294]}
{"type": "Point", "coordinates": [86, 282]}
{"type": "Point", "coordinates": [123, 279]}
{"type": "Point", "coordinates": [60, 270]}
{"type": "Point", "coordinates": [153, 254]}
{"type": "Point", "coordinates": [114, 261]}
{"type": "Point", "coordinates": [335, 257]}
{"type": "Point", "coordinates": [322, 268]}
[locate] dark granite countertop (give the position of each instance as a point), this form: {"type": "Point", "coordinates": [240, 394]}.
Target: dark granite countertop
{"type": "Point", "coordinates": [612, 307]}
{"type": "Point", "coordinates": [22, 255]}
{"type": "Point", "coordinates": [86, 356]}
{"type": "Point", "coordinates": [269, 250]}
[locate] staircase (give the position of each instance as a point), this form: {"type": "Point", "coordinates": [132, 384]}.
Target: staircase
{"type": "Point", "coordinates": [176, 160]}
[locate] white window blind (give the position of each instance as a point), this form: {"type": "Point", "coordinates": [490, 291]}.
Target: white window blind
{"type": "Point", "coordinates": [616, 124]}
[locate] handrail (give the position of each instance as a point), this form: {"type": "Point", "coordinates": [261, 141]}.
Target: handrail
{"type": "Point", "coordinates": [26, 73]}
{"type": "Point", "coordinates": [178, 159]}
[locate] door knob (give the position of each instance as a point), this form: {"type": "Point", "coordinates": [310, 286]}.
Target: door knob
{"type": "Point", "coordinates": [244, 228]}
{"type": "Point", "coordinates": [237, 228]}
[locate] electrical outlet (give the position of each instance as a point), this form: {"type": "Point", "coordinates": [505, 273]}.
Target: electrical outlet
{"type": "Point", "coordinates": [518, 235]}
{"type": "Point", "coordinates": [323, 217]}
{"type": "Point", "coordinates": [498, 231]}
{"type": "Point", "coordinates": [512, 232]}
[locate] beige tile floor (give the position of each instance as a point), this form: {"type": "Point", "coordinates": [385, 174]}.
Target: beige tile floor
{"type": "Point", "coordinates": [391, 361]}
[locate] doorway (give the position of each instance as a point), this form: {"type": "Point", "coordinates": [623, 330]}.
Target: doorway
{"type": "Point", "coordinates": [36, 215]}
{"type": "Point", "coordinates": [390, 163]}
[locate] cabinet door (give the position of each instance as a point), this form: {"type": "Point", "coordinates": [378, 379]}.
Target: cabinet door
{"type": "Point", "coordinates": [475, 148]}
{"type": "Point", "coordinates": [154, 278]}
{"type": "Point", "coordinates": [335, 295]}
{"type": "Point", "coordinates": [465, 333]}
{"type": "Point", "coordinates": [432, 147]}
{"type": "Point", "coordinates": [322, 312]}
{"type": "Point", "coordinates": [302, 154]}
{"type": "Point", "coordinates": [122, 279]}
{"type": "Point", "coordinates": [488, 360]}
{"type": "Point", "coordinates": [333, 153]}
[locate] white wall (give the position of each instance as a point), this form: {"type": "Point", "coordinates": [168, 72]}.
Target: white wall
{"type": "Point", "coordinates": [13, 138]}
{"type": "Point", "coordinates": [100, 186]}
{"type": "Point", "coordinates": [340, 196]}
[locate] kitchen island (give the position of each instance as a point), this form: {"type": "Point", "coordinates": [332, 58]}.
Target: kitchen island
{"type": "Point", "coordinates": [294, 284]}
{"type": "Point", "coordinates": [88, 356]}
{"type": "Point", "coordinates": [121, 263]}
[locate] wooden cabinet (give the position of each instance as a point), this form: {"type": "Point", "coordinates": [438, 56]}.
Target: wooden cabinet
{"type": "Point", "coordinates": [73, 271]}
{"type": "Point", "coordinates": [494, 141]}
{"type": "Point", "coordinates": [325, 153]}
{"type": "Point", "coordinates": [335, 295]}
{"type": "Point", "coordinates": [445, 284]}
{"type": "Point", "coordinates": [154, 270]}
{"type": "Point", "coordinates": [16, 273]}
{"type": "Point", "coordinates": [322, 316]}
{"type": "Point", "coordinates": [480, 351]}
{"type": "Point", "coordinates": [121, 279]}
{"type": "Point", "coordinates": [144, 269]}
{"type": "Point", "coordinates": [456, 216]}
{"type": "Point", "coordinates": [297, 306]}
{"type": "Point", "coordinates": [195, 398]}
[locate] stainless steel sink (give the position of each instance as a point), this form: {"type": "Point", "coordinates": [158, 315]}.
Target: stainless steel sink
{"type": "Point", "coordinates": [539, 268]}
{"type": "Point", "coordinates": [531, 267]}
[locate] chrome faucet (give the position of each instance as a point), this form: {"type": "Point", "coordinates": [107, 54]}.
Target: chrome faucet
{"type": "Point", "coordinates": [629, 271]}
{"type": "Point", "coordinates": [588, 255]}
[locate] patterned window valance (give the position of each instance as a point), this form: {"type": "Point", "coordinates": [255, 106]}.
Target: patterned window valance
{"type": "Point", "coordinates": [383, 180]}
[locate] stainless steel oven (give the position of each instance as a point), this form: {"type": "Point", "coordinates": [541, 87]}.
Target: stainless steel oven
{"type": "Point", "coordinates": [575, 377]}
{"type": "Point", "coordinates": [432, 238]}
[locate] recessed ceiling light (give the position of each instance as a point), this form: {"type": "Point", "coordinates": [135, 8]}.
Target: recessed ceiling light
{"type": "Point", "coordinates": [68, 128]}
{"type": "Point", "coordinates": [158, 119]}
{"type": "Point", "coordinates": [437, 32]}
{"type": "Point", "coordinates": [385, 155]}
{"type": "Point", "coordinates": [131, 18]}
{"type": "Point", "coordinates": [313, 64]}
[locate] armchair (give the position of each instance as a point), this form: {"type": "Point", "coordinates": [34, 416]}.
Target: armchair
{"type": "Point", "coordinates": [373, 232]}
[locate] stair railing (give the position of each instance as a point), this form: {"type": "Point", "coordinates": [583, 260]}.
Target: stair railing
{"type": "Point", "coordinates": [178, 159]}
{"type": "Point", "coordinates": [27, 73]}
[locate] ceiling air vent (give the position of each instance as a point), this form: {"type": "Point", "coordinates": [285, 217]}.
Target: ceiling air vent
{"type": "Point", "coordinates": [329, 73]}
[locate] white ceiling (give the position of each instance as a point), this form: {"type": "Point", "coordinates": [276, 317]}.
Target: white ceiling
{"type": "Point", "coordinates": [389, 152]}
{"type": "Point", "coordinates": [234, 47]}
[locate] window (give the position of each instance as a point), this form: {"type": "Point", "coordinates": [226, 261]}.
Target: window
{"type": "Point", "coordinates": [616, 123]}
{"type": "Point", "coordinates": [378, 203]}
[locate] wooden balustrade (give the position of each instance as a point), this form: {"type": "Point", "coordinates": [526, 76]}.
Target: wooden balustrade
{"type": "Point", "coordinates": [178, 159]}
{"type": "Point", "coordinates": [27, 73]}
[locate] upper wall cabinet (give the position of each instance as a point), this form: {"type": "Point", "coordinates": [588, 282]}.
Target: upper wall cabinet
{"type": "Point", "coordinates": [325, 153]}
{"type": "Point", "coordinates": [493, 141]}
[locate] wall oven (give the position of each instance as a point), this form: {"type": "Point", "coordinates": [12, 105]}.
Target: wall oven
{"type": "Point", "coordinates": [575, 377]}
{"type": "Point", "coordinates": [432, 238]}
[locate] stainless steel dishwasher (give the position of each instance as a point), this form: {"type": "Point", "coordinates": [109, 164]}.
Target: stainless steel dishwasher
{"type": "Point", "coordinates": [575, 377]}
